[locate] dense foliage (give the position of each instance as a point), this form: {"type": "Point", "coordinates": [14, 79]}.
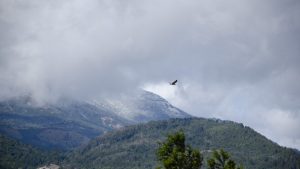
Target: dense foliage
{"type": "Point", "coordinates": [14, 154]}
{"type": "Point", "coordinates": [175, 154]}
{"type": "Point", "coordinates": [134, 147]}
{"type": "Point", "coordinates": [221, 160]}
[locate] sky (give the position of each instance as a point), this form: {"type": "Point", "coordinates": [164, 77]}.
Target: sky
{"type": "Point", "coordinates": [234, 60]}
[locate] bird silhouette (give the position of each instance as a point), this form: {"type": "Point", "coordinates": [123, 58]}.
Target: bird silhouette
{"type": "Point", "coordinates": [173, 83]}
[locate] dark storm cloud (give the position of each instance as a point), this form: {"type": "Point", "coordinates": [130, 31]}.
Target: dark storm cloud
{"type": "Point", "coordinates": [234, 59]}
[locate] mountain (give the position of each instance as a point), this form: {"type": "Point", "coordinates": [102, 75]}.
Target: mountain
{"type": "Point", "coordinates": [14, 154]}
{"type": "Point", "coordinates": [134, 147]}
{"type": "Point", "coordinates": [69, 123]}
{"type": "Point", "coordinates": [140, 106]}
{"type": "Point", "coordinates": [61, 126]}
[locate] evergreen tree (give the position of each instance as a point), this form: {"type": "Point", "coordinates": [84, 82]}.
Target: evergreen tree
{"type": "Point", "coordinates": [174, 154]}
{"type": "Point", "coordinates": [221, 160]}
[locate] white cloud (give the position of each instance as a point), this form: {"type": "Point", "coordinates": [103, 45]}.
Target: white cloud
{"type": "Point", "coordinates": [234, 59]}
{"type": "Point", "coordinates": [281, 126]}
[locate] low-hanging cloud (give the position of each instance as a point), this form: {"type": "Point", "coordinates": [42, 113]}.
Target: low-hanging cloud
{"type": "Point", "coordinates": [236, 60]}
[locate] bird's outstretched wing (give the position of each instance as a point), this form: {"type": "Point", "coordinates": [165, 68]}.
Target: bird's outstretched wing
{"type": "Point", "coordinates": [174, 83]}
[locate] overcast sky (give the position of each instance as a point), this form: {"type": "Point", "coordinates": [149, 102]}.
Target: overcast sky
{"type": "Point", "coordinates": [234, 60]}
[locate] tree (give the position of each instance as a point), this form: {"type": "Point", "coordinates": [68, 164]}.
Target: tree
{"type": "Point", "coordinates": [174, 154]}
{"type": "Point", "coordinates": [221, 160]}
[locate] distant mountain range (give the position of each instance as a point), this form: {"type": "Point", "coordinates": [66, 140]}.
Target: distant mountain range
{"type": "Point", "coordinates": [70, 123]}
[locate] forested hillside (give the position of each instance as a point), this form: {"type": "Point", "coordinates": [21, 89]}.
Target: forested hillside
{"type": "Point", "coordinates": [135, 146]}
{"type": "Point", "coordinates": [14, 154]}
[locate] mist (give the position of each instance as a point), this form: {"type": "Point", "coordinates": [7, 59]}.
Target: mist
{"type": "Point", "coordinates": [234, 60]}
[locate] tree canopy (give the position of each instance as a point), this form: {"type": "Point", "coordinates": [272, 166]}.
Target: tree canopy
{"type": "Point", "coordinates": [175, 154]}
{"type": "Point", "coordinates": [221, 160]}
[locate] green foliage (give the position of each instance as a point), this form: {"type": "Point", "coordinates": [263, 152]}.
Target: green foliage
{"type": "Point", "coordinates": [221, 160]}
{"type": "Point", "coordinates": [174, 154]}
{"type": "Point", "coordinates": [14, 154]}
{"type": "Point", "coordinates": [134, 147]}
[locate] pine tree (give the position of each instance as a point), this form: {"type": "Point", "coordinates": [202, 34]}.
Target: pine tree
{"type": "Point", "coordinates": [174, 154]}
{"type": "Point", "coordinates": [221, 160]}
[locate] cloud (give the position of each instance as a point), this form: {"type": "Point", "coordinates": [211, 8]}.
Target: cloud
{"type": "Point", "coordinates": [234, 60]}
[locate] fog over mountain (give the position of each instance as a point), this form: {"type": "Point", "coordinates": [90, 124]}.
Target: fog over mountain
{"type": "Point", "coordinates": [235, 60]}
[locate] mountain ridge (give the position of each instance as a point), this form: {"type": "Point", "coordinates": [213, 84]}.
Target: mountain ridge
{"type": "Point", "coordinates": [134, 146]}
{"type": "Point", "coordinates": [71, 123]}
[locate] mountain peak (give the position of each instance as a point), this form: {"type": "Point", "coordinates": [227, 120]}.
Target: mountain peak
{"type": "Point", "coordinates": [77, 121]}
{"type": "Point", "coordinates": [144, 106]}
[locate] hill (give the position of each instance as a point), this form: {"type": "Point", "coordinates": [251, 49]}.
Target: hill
{"type": "Point", "coordinates": [14, 154]}
{"type": "Point", "coordinates": [134, 147]}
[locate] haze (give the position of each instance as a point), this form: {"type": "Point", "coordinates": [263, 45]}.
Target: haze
{"type": "Point", "coordinates": [234, 60]}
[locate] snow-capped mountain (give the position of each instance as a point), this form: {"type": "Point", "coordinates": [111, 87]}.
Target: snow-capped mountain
{"type": "Point", "coordinates": [143, 106]}
{"type": "Point", "coordinates": [69, 123]}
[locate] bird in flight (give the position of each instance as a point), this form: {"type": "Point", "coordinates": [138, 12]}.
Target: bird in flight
{"type": "Point", "coordinates": [173, 83]}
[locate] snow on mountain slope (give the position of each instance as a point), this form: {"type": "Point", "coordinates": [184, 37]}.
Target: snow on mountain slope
{"type": "Point", "coordinates": [143, 106]}
{"type": "Point", "coordinates": [64, 125]}
{"type": "Point", "coordinates": [69, 123]}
